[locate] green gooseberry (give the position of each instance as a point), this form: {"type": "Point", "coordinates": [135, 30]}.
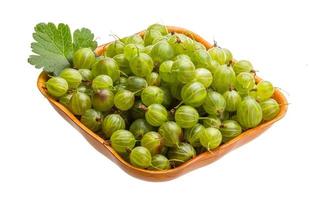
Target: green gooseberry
{"type": "Point", "coordinates": [192, 135]}
{"type": "Point", "coordinates": [212, 66]}
{"type": "Point", "coordinates": [171, 133]}
{"type": "Point", "coordinates": [211, 121]}
{"type": "Point", "coordinates": [84, 58]}
{"type": "Point", "coordinates": [182, 56]}
{"type": "Point", "coordinates": [181, 43]}
{"type": "Point", "coordinates": [136, 84]}
{"type": "Point", "coordinates": [141, 65]}
{"type": "Point", "coordinates": [242, 66]}
{"type": "Point", "coordinates": [232, 99]}
{"type": "Point", "coordinates": [165, 71]}
{"type": "Point", "coordinates": [124, 99]}
{"type": "Point", "coordinates": [153, 79]}
{"type": "Point", "coordinates": [186, 116]}
{"type": "Point", "coordinates": [103, 100]}
{"type": "Point", "coordinates": [132, 50]}
{"type": "Point", "coordinates": [218, 54]}
{"type": "Point", "coordinates": [230, 129]}
{"type": "Point", "coordinates": [198, 46]}
{"type": "Point", "coordinates": [112, 123]}
{"type": "Point", "coordinates": [151, 95]}
{"type": "Point", "coordinates": [79, 103]}
{"type": "Point", "coordinates": [134, 39]}
{"type": "Point", "coordinates": [203, 76]}
{"type": "Point", "coordinates": [140, 127]}
{"type": "Point", "coordinates": [161, 52]}
{"type": "Point", "coordinates": [65, 100]}
{"type": "Point", "coordinates": [245, 82]}
{"type": "Point", "coordinates": [264, 90]}
{"type": "Point", "coordinates": [107, 66]}
{"type": "Point", "coordinates": [153, 141]}
{"type": "Point", "coordinates": [184, 70]}
{"type": "Point", "coordinates": [223, 78]}
{"type": "Point", "coordinates": [114, 48]}
{"type": "Point", "coordinates": [193, 94]}
{"type": "Point", "coordinates": [102, 82]}
{"type": "Point", "coordinates": [85, 89]}
{"type": "Point", "coordinates": [156, 114]}
{"type": "Point", "coordinates": [200, 58]}
{"type": "Point", "coordinates": [181, 154]}
{"type": "Point", "coordinates": [92, 119]}
{"type": "Point", "coordinates": [159, 27]}
{"type": "Point", "coordinates": [57, 86]}
{"type": "Point", "coordinates": [122, 141]}
{"type": "Point", "coordinates": [228, 56]}
{"type": "Point", "coordinates": [214, 103]}
{"type": "Point", "coordinates": [150, 36]}
{"type": "Point", "coordinates": [123, 63]}
{"type": "Point", "coordinates": [211, 138]}
{"type": "Point", "coordinates": [160, 162]}
{"type": "Point", "coordinates": [249, 113]}
{"type": "Point", "coordinates": [72, 76]}
{"type": "Point", "coordinates": [270, 109]}
{"type": "Point", "coordinates": [140, 157]}
{"type": "Point", "coordinates": [86, 75]}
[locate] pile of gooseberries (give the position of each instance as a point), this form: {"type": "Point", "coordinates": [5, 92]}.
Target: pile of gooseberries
{"type": "Point", "coordinates": [161, 98]}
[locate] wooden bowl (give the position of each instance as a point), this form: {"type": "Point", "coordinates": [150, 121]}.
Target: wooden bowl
{"type": "Point", "coordinates": [201, 160]}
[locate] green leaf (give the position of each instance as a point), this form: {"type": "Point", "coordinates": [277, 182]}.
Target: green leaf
{"type": "Point", "coordinates": [53, 46]}
{"type": "Point", "coordinates": [83, 38]}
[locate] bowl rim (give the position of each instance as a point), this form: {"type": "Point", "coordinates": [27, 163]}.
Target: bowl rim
{"type": "Point", "coordinates": [203, 156]}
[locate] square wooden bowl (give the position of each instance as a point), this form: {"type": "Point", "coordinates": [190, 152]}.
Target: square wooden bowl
{"type": "Point", "coordinates": [199, 161]}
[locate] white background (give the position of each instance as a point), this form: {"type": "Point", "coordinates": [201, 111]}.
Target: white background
{"type": "Point", "coordinates": [43, 157]}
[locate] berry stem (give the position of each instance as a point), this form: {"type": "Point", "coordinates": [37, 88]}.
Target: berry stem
{"type": "Point", "coordinates": [143, 107]}
{"type": "Point", "coordinates": [128, 150]}
{"type": "Point", "coordinates": [215, 43]}
{"type": "Point", "coordinates": [175, 160]}
{"type": "Point", "coordinates": [137, 50]}
{"type": "Point", "coordinates": [173, 110]}
{"type": "Point", "coordinates": [116, 37]}
{"type": "Point", "coordinates": [121, 72]}
{"type": "Point", "coordinates": [181, 102]}
{"type": "Point", "coordinates": [138, 91]}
